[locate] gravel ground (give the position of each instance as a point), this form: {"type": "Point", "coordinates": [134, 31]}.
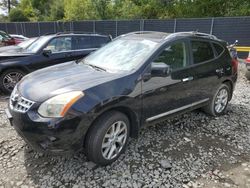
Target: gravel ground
{"type": "Point", "coordinates": [192, 150]}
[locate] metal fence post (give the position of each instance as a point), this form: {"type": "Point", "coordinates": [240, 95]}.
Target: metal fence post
{"type": "Point", "coordinates": [116, 28]}
{"type": "Point", "coordinates": [16, 27]}
{"type": "Point", "coordinates": [71, 26]}
{"type": "Point", "coordinates": [93, 26]}
{"type": "Point", "coordinates": [21, 23]}
{"type": "Point", "coordinates": [24, 30]}
{"type": "Point", "coordinates": [6, 28]}
{"type": "Point", "coordinates": [39, 31]}
{"type": "Point", "coordinates": [212, 26]}
{"type": "Point", "coordinates": [55, 27]}
{"type": "Point", "coordinates": [142, 25]}
{"type": "Point", "coordinates": [175, 25]}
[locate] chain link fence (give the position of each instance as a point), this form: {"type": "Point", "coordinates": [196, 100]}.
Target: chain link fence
{"type": "Point", "coordinates": [226, 28]}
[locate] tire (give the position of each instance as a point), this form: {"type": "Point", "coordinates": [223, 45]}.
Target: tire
{"type": "Point", "coordinates": [213, 109]}
{"type": "Point", "coordinates": [14, 74]}
{"type": "Point", "coordinates": [98, 147]}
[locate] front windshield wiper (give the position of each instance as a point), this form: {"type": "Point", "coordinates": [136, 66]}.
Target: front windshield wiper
{"type": "Point", "coordinates": [96, 67]}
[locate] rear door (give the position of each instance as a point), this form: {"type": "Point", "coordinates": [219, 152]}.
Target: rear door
{"type": "Point", "coordinates": [61, 51]}
{"type": "Point", "coordinates": [84, 45]}
{"type": "Point", "coordinates": [206, 68]}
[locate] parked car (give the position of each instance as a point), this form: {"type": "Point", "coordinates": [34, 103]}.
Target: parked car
{"type": "Point", "coordinates": [20, 38]}
{"type": "Point", "coordinates": [101, 101]}
{"type": "Point", "coordinates": [46, 51]}
{"type": "Point", "coordinates": [19, 47]}
{"type": "Point", "coordinates": [7, 40]}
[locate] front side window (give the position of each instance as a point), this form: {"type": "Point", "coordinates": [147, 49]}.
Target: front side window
{"type": "Point", "coordinates": [60, 44]}
{"type": "Point", "coordinates": [202, 51]}
{"type": "Point", "coordinates": [122, 54]}
{"type": "Point", "coordinates": [174, 56]}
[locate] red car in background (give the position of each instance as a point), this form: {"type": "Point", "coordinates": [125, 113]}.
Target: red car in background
{"type": "Point", "coordinates": [6, 39]}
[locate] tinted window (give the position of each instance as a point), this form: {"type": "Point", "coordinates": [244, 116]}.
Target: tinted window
{"type": "Point", "coordinates": [101, 41]}
{"type": "Point", "coordinates": [218, 48]}
{"type": "Point", "coordinates": [202, 51]}
{"type": "Point", "coordinates": [84, 42]}
{"type": "Point", "coordinates": [60, 44]}
{"type": "Point", "coordinates": [175, 56]}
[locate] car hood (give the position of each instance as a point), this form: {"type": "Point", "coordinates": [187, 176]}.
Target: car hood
{"type": "Point", "coordinates": [13, 54]}
{"type": "Point", "coordinates": [12, 48]}
{"type": "Point", "coordinates": [46, 83]}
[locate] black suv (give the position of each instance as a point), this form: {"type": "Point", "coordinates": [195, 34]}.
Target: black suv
{"type": "Point", "coordinates": [139, 78]}
{"type": "Point", "coordinates": [46, 51]}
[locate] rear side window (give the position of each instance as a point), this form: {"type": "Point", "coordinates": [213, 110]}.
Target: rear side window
{"type": "Point", "coordinates": [218, 48]}
{"type": "Point", "coordinates": [84, 42]}
{"type": "Point", "coordinates": [101, 41]}
{"type": "Point", "coordinates": [202, 51]}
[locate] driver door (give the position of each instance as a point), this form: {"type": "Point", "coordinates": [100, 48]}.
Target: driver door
{"type": "Point", "coordinates": [61, 51]}
{"type": "Point", "coordinates": [165, 94]}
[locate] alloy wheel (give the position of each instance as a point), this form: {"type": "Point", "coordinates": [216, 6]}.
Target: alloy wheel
{"type": "Point", "coordinates": [11, 79]}
{"type": "Point", "coordinates": [221, 100]}
{"type": "Point", "coordinates": [114, 140]}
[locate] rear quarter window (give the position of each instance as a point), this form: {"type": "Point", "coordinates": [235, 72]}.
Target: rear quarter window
{"type": "Point", "coordinates": [218, 48]}
{"type": "Point", "coordinates": [202, 51]}
{"type": "Point", "coordinates": [101, 41]}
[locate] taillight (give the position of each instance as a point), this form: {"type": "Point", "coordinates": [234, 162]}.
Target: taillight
{"type": "Point", "coordinates": [235, 63]}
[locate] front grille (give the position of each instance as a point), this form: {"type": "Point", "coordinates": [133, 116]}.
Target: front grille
{"type": "Point", "coordinates": [19, 103]}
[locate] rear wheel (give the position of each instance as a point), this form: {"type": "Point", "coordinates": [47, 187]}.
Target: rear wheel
{"type": "Point", "coordinates": [9, 79]}
{"type": "Point", "coordinates": [218, 104]}
{"type": "Point", "coordinates": [107, 138]}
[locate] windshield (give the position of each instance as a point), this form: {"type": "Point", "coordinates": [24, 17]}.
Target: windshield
{"type": "Point", "coordinates": [26, 43]}
{"type": "Point", "coordinates": [121, 54]}
{"type": "Point", "coordinates": [35, 46]}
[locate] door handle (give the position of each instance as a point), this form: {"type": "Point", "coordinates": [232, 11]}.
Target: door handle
{"type": "Point", "coordinates": [188, 79]}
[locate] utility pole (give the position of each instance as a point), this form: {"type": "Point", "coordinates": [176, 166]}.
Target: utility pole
{"type": "Point", "coordinates": [8, 6]}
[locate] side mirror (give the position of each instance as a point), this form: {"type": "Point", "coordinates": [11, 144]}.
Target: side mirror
{"type": "Point", "coordinates": [160, 69]}
{"type": "Point", "coordinates": [47, 52]}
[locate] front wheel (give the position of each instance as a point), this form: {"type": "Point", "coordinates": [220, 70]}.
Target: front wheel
{"type": "Point", "coordinates": [107, 138]}
{"type": "Point", "coordinates": [9, 79]}
{"type": "Point", "coordinates": [219, 102]}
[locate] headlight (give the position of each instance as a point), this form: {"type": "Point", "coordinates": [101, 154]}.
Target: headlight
{"type": "Point", "coordinates": [59, 105]}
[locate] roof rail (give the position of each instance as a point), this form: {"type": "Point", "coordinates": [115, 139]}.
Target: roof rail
{"type": "Point", "coordinates": [204, 35]}
{"type": "Point", "coordinates": [136, 33]}
{"type": "Point", "coordinates": [196, 33]}
{"type": "Point", "coordinates": [78, 32]}
{"type": "Point", "coordinates": [72, 32]}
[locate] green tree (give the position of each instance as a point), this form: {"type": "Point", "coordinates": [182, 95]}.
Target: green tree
{"type": "Point", "coordinates": [17, 15]}
{"type": "Point", "coordinates": [79, 10]}
{"type": "Point", "coordinates": [28, 10]}
{"type": "Point", "coordinates": [56, 10]}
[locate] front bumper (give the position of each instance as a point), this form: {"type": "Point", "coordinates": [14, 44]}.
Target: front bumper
{"type": "Point", "coordinates": [48, 135]}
